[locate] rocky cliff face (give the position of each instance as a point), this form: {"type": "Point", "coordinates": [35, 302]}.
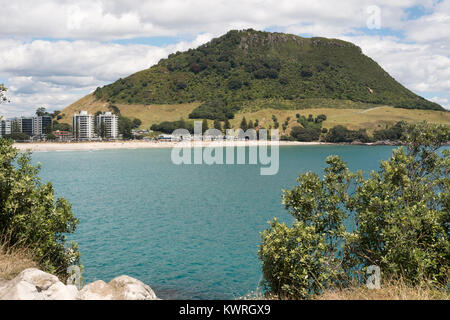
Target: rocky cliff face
{"type": "Point", "coordinates": [34, 284]}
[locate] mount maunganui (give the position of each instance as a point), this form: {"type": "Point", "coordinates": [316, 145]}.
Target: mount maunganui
{"type": "Point", "coordinates": [244, 66]}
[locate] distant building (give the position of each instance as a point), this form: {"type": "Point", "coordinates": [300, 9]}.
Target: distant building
{"type": "Point", "coordinates": [5, 127]}
{"type": "Point", "coordinates": [83, 126]}
{"type": "Point", "coordinates": [108, 125]}
{"type": "Point", "coordinates": [63, 135]}
{"type": "Point", "coordinates": [23, 124]}
{"type": "Point", "coordinates": [41, 125]}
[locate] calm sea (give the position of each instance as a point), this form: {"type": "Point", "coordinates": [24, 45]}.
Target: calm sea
{"type": "Point", "coordinates": [189, 231]}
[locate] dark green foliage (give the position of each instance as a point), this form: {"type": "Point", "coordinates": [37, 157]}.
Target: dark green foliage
{"type": "Point", "coordinates": [214, 110]}
{"type": "Point", "coordinates": [114, 109]}
{"type": "Point", "coordinates": [244, 125]}
{"type": "Point", "coordinates": [247, 65]}
{"type": "Point", "coordinates": [170, 126]}
{"type": "Point", "coordinates": [17, 136]}
{"type": "Point", "coordinates": [393, 133]}
{"type": "Point", "coordinates": [217, 125]}
{"type": "Point", "coordinates": [30, 216]}
{"type": "Point", "coordinates": [400, 223]}
{"type": "Point", "coordinates": [342, 134]}
{"type": "Point", "coordinates": [51, 137]}
{"type": "Point", "coordinates": [125, 127]}
{"type": "Point", "coordinates": [310, 129]}
{"type": "Point", "coordinates": [227, 124]}
{"type": "Point", "coordinates": [204, 125]}
{"type": "Point", "coordinates": [305, 134]}
{"type": "Point", "coordinates": [136, 123]}
{"type": "Point", "coordinates": [61, 126]}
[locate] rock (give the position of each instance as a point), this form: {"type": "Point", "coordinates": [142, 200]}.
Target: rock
{"type": "Point", "coordinates": [120, 288]}
{"type": "Point", "coordinates": [33, 284]}
{"type": "Point", "coordinates": [127, 288]}
{"type": "Point", "coordinates": [97, 290]}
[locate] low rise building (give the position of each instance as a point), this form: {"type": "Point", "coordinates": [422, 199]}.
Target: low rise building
{"type": "Point", "coordinates": [63, 135]}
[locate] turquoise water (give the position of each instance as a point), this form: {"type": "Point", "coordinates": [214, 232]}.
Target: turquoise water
{"type": "Point", "coordinates": [189, 231]}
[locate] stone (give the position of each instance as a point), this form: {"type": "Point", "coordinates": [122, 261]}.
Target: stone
{"type": "Point", "coordinates": [128, 288]}
{"type": "Point", "coordinates": [34, 284]}
{"type": "Point", "coordinates": [97, 290]}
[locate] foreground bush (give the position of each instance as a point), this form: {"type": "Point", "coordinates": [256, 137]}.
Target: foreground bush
{"type": "Point", "coordinates": [401, 217]}
{"type": "Point", "coordinates": [29, 214]}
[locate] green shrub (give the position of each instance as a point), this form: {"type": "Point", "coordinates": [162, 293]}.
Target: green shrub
{"type": "Point", "coordinates": [29, 214]}
{"type": "Point", "coordinates": [401, 215]}
{"type": "Point", "coordinates": [305, 134]}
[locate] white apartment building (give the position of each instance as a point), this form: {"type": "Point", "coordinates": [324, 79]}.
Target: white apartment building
{"type": "Point", "coordinates": [108, 125]}
{"type": "Point", "coordinates": [40, 124]}
{"type": "Point", "coordinates": [83, 126]}
{"type": "Point", "coordinates": [5, 127]}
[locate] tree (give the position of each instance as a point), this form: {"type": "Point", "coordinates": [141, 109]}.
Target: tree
{"type": "Point", "coordinates": [51, 137]}
{"type": "Point", "coordinates": [114, 109]}
{"type": "Point", "coordinates": [125, 127]}
{"type": "Point", "coordinates": [30, 215]}
{"type": "Point", "coordinates": [18, 136]}
{"type": "Point", "coordinates": [251, 125]}
{"type": "Point", "coordinates": [136, 123]}
{"type": "Point", "coordinates": [41, 111]}
{"type": "Point", "coordinates": [3, 90]}
{"type": "Point", "coordinates": [305, 134]}
{"type": "Point", "coordinates": [217, 125]}
{"type": "Point", "coordinates": [244, 125]}
{"type": "Point", "coordinates": [204, 125]}
{"type": "Point", "coordinates": [401, 215]}
{"type": "Point", "coordinates": [227, 124]}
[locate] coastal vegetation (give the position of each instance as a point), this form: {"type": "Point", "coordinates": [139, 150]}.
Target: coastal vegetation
{"type": "Point", "coordinates": [399, 214]}
{"type": "Point", "coordinates": [31, 218]}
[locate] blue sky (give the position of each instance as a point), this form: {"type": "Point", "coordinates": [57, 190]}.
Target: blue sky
{"type": "Point", "coordinates": [55, 52]}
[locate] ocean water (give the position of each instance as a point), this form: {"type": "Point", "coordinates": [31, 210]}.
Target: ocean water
{"type": "Point", "coordinates": [188, 231]}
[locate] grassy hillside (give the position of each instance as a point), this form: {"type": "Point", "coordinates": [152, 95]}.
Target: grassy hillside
{"type": "Point", "coordinates": [244, 66]}
{"type": "Point", "coordinates": [148, 114]}
{"type": "Point", "coordinates": [341, 112]}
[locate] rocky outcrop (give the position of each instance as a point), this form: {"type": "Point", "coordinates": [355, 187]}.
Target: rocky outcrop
{"type": "Point", "coordinates": [34, 284]}
{"type": "Point", "coordinates": [120, 288]}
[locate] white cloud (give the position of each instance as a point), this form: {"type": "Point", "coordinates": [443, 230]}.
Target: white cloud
{"type": "Point", "coordinates": [104, 19]}
{"type": "Point", "coordinates": [42, 70]}
{"type": "Point", "coordinates": [55, 74]}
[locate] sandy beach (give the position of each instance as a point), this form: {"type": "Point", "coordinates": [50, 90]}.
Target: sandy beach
{"type": "Point", "coordinates": [87, 146]}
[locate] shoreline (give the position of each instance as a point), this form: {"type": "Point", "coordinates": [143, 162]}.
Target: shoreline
{"type": "Point", "coordinates": [114, 145]}
{"type": "Point", "coordinates": [104, 145]}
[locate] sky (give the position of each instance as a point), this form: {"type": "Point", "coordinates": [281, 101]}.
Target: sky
{"type": "Point", "coordinates": [53, 52]}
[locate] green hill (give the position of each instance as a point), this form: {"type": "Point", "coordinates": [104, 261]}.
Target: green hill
{"type": "Point", "coordinates": [230, 72]}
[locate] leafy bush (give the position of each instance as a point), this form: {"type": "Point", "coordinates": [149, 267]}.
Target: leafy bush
{"type": "Point", "coordinates": [393, 133]}
{"type": "Point", "coordinates": [401, 215]}
{"type": "Point", "coordinates": [342, 134]}
{"type": "Point", "coordinates": [18, 136]}
{"type": "Point", "coordinates": [170, 126]}
{"type": "Point", "coordinates": [305, 134]}
{"type": "Point", "coordinates": [29, 214]}
{"type": "Point", "coordinates": [214, 110]}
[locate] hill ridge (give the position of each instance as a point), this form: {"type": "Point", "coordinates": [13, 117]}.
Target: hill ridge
{"type": "Point", "coordinates": [243, 66]}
